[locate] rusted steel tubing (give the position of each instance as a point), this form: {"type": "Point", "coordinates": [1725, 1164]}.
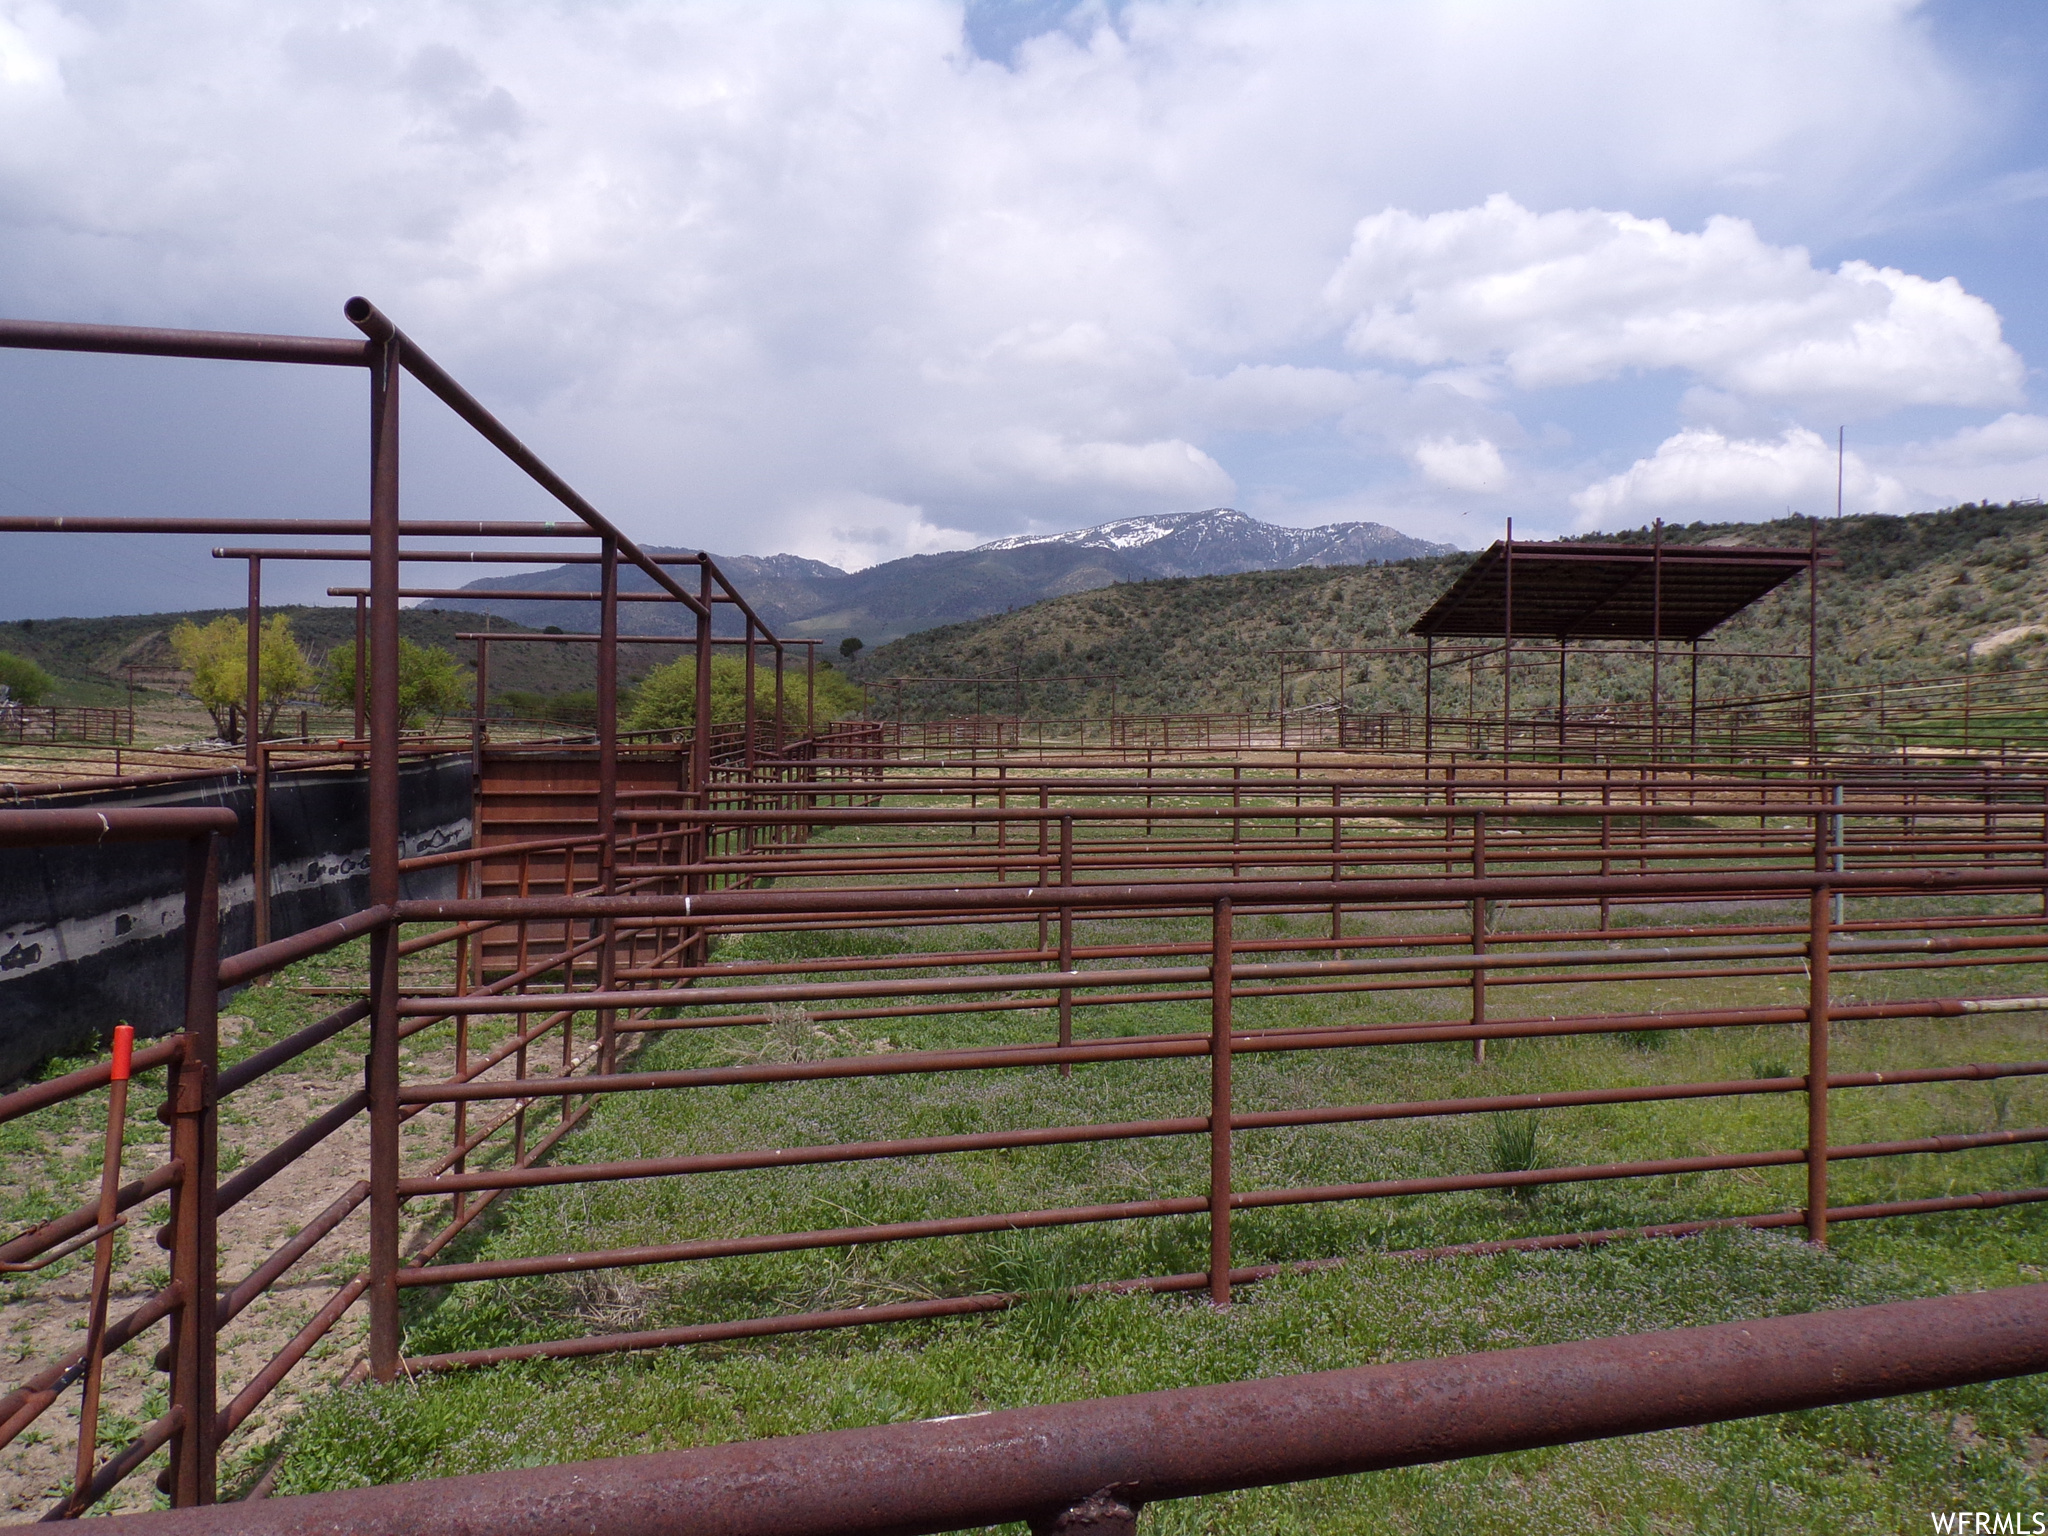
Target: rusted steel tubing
{"type": "Point", "coordinates": [275, 956]}
{"type": "Point", "coordinates": [21, 1407]}
{"type": "Point", "coordinates": [373, 323]}
{"type": "Point", "coordinates": [72, 1085]}
{"type": "Point", "coordinates": [919, 815]}
{"type": "Point", "coordinates": [1148, 1047]}
{"type": "Point", "coordinates": [789, 1157]}
{"type": "Point", "coordinates": [150, 341]}
{"type": "Point", "coordinates": [910, 1231]}
{"type": "Point", "coordinates": [1054, 981]}
{"type": "Point", "coordinates": [1969, 1143]}
{"type": "Point", "coordinates": [1043, 980]}
{"type": "Point", "coordinates": [791, 1242]}
{"type": "Point", "coordinates": [711, 1333]}
{"type": "Point", "coordinates": [1431, 1108]}
{"type": "Point", "coordinates": [131, 1456]}
{"type": "Point", "coordinates": [855, 1317]}
{"type": "Point", "coordinates": [983, 1469]}
{"type": "Point", "coordinates": [511, 1046]}
{"type": "Point", "coordinates": [458, 557]}
{"type": "Point", "coordinates": [265, 1381]}
{"type": "Point", "coordinates": [32, 829]}
{"type": "Point", "coordinates": [1752, 885]}
{"type": "Point", "coordinates": [427, 1018]}
{"type": "Point", "coordinates": [271, 1057]}
{"type": "Point", "coordinates": [427, 941]}
{"type": "Point", "coordinates": [908, 959]}
{"type": "Point", "coordinates": [246, 1181]}
{"type": "Point", "coordinates": [500, 594]}
{"type": "Point", "coordinates": [61, 1229]}
{"type": "Point", "coordinates": [453, 1230]}
{"type": "Point", "coordinates": [1651, 1168]}
{"type": "Point", "coordinates": [536, 1002]}
{"type": "Point", "coordinates": [497, 850]}
{"type": "Point", "coordinates": [427, 528]}
{"type": "Point", "coordinates": [260, 1279]}
{"type": "Point", "coordinates": [890, 1064]}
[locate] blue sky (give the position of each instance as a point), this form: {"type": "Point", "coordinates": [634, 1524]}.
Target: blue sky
{"type": "Point", "coordinates": [861, 279]}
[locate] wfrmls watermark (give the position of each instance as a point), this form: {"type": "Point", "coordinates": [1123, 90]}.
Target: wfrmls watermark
{"type": "Point", "coordinates": [1987, 1522]}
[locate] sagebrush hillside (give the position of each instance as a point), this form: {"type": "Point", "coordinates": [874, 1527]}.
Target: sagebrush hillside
{"type": "Point", "coordinates": [1907, 597]}
{"type": "Point", "coordinates": [90, 658]}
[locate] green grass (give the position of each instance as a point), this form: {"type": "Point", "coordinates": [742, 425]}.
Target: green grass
{"type": "Point", "coordinates": [1863, 1467]}
{"type": "Point", "coordinates": [1873, 1466]}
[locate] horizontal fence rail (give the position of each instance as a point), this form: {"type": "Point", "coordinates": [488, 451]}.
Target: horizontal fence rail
{"type": "Point", "coordinates": [1092, 1465]}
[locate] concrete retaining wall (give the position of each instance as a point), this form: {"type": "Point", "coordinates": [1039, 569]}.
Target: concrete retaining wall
{"type": "Point", "coordinates": [91, 937]}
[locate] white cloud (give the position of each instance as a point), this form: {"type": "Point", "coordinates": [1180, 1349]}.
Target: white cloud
{"type": "Point", "coordinates": [792, 275]}
{"type": "Point", "coordinates": [1700, 474]}
{"type": "Point", "coordinates": [1582, 295]}
{"type": "Point", "coordinates": [854, 532]}
{"type": "Point", "coordinates": [1461, 466]}
{"type": "Point", "coordinates": [2003, 460]}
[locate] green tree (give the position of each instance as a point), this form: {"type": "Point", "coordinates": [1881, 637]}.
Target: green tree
{"type": "Point", "coordinates": [851, 646]}
{"type": "Point", "coordinates": [667, 697]}
{"type": "Point", "coordinates": [217, 656]}
{"type": "Point", "coordinates": [430, 683]}
{"type": "Point", "coordinates": [25, 682]}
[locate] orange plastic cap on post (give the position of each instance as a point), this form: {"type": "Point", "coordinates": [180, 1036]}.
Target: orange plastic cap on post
{"type": "Point", "coordinates": [124, 1051]}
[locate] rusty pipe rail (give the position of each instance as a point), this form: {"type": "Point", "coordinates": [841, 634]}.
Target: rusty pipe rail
{"type": "Point", "coordinates": [1036, 1463]}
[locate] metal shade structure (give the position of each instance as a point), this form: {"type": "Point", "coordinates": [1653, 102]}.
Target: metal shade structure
{"type": "Point", "coordinates": [1608, 591]}
{"type": "Point", "coordinates": [1615, 593]}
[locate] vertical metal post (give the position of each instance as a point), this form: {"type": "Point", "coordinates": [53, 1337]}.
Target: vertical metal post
{"type": "Point", "coordinates": [362, 678]}
{"type": "Point", "coordinates": [1428, 708]}
{"type": "Point", "coordinates": [252, 695]}
{"type": "Point", "coordinates": [1237, 822]}
{"type": "Point", "coordinates": [102, 1268]}
{"type": "Point", "coordinates": [1336, 864]}
{"type": "Point", "coordinates": [700, 741]}
{"type": "Point", "coordinates": [384, 854]}
{"type": "Point", "coordinates": [1692, 695]}
{"type": "Point", "coordinates": [1657, 641]}
{"type": "Point", "coordinates": [747, 717]}
{"type": "Point", "coordinates": [1813, 642]}
{"type": "Point", "coordinates": [1066, 938]}
{"type": "Point", "coordinates": [1819, 934]}
{"type": "Point", "coordinates": [1478, 932]}
{"type": "Point", "coordinates": [477, 729]}
{"type": "Point", "coordinates": [1606, 845]}
{"type": "Point", "coordinates": [778, 699]}
{"type": "Point", "coordinates": [1219, 1103]}
{"type": "Point", "coordinates": [698, 845]}
{"type": "Point", "coordinates": [259, 846]}
{"type": "Point", "coordinates": [252, 734]}
{"type": "Point", "coordinates": [607, 787]}
{"type": "Point", "coordinates": [195, 1142]}
{"type": "Point", "coordinates": [460, 1129]}
{"type": "Point", "coordinates": [1562, 645]}
{"type": "Point", "coordinates": [1507, 650]}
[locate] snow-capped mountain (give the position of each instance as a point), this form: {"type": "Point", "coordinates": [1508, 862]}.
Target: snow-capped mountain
{"type": "Point", "coordinates": [802, 597]}
{"type": "Point", "coordinates": [1222, 540]}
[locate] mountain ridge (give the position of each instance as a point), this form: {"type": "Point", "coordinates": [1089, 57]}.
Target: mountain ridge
{"type": "Point", "coordinates": [1914, 596]}
{"type": "Point", "coordinates": [803, 598]}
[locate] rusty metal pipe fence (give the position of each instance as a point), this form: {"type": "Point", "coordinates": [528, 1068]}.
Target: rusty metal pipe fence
{"type": "Point", "coordinates": [663, 917]}
{"type": "Point", "coordinates": [1091, 1466]}
{"type": "Point", "coordinates": [1409, 897]}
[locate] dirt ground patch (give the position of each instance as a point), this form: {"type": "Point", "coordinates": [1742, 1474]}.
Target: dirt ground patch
{"type": "Point", "coordinates": [46, 1313]}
